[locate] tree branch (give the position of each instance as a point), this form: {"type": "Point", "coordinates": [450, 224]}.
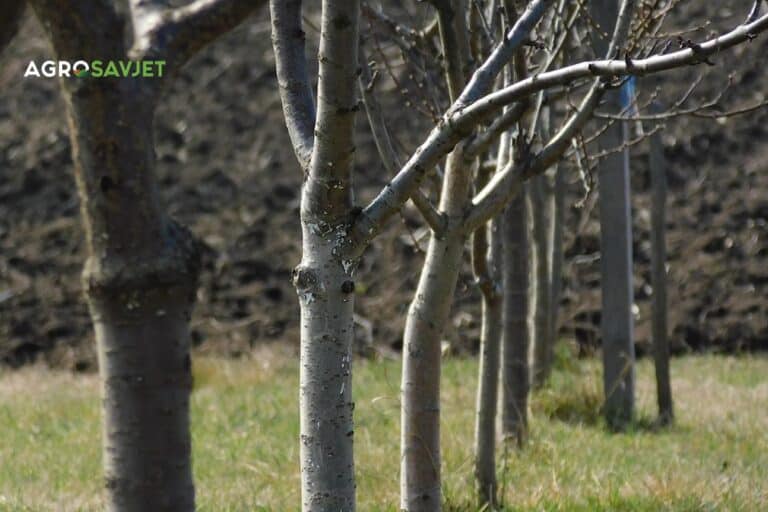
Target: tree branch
{"type": "Point", "coordinates": [327, 191]}
{"type": "Point", "coordinates": [288, 41]}
{"type": "Point", "coordinates": [445, 135]}
{"type": "Point", "coordinates": [494, 196]}
{"type": "Point", "coordinates": [84, 30]}
{"type": "Point", "coordinates": [482, 79]}
{"type": "Point", "coordinates": [504, 122]}
{"type": "Point", "coordinates": [695, 54]}
{"type": "Point", "coordinates": [386, 150]}
{"type": "Point", "coordinates": [175, 35]}
{"type": "Point", "coordinates": [461, 118]}
{"type": "Point", "coordinates": [453, 38]}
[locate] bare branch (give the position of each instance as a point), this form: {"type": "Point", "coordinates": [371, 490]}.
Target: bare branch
{"type": "Point", "coordinates": [385, 148]}
{"type": "Point", "coordinates": [175, 35]}
{"type": "Point", "coordinates": [455, 45]}
{"type": "Point", "coordinates": [445, 136]}
{"type": "Point", "coordinates": [695, 54]}
{"type": "Point", "coordinates": [461, 118]}
{"type": "Point", "coordinates": [483, 78]}
{"type": "Point", "coordinates": [504, 122]}
{"type": "Point", "coordinates": [398, 29]}
{"type": "Point", "coordinates": [626, 144]}
{"type": "Point", "coordinates": [288, 41]}
{"type": "Point", "coordinates": [755, 12]}
{"type": "Point", "coordinates": [494, 196]}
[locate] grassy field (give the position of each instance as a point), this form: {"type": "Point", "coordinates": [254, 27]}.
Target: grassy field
{"type": "Point", "coordinates": [246, 450]}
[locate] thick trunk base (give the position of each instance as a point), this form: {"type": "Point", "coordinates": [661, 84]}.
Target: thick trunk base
{"type": "Point", "coordinates": [141, 319]}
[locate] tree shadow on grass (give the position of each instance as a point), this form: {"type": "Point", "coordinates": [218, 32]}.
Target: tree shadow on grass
{"type": "Point", "coordinates": [576, 397]}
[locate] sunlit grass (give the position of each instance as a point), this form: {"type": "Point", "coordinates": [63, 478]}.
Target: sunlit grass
{"type": "Point", "coordinates": [245, 421]}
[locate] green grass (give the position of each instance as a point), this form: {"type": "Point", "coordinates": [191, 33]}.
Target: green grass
{"type": "Point", "coordinates": [246, 429]}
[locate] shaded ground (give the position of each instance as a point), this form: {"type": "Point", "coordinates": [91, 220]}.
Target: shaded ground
{"type": "Point", "coordinates": [228, 172]}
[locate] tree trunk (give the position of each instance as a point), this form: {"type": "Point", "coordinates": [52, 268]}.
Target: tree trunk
{"type": "Point", "coordinates": [616, 271]}
{"type": "Point", "coordinates": [616, 252]}
{"type": "Point", "coordinates": [420, 421]}
{"type": "Point", "coordinates": [326, 296]}
{"type": "Point", "coordinates": [543, 351]}
{"type": "Point", "coordinates": [427, 317]}
{"type": "Point", "coordinates": [515, 282]}
{"type": "Point", "coordinates": [141, 274]}
{"type": "Point", "coordinates": [140, 280]}
{"type": "Point", "coordinates": [323, 279]}
{"type": "Point", "coordinates": [487, 397]}
{"type": "Point", "coordinates": [486, 264]}
{"type": "Point", "coordinates": [556, 259]}
{"type": "Point", "coordinates": [659, 279]}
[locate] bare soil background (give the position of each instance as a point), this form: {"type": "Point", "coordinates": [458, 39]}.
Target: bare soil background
{"type": "Point", "coordinates": [227, 170]}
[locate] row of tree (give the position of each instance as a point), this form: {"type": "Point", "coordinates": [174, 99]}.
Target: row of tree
{"type": "Point", "coordinates": [521, 81]}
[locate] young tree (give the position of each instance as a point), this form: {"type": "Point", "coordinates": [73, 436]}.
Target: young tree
{"type": "Point", "coordinates": [141, 275]}
{"type": "Point", "coordinates": [659, 277]}
{"type": "Point", "coordinates": [336, 232]}
{"type": "Point", "coordinates": [615, 247]}
{"type": "Point", "coordinates": [541, 290]}
{"type": "Point", "coordinates": [487, 264]}
{"type": "Point", "coordinates": [515, 372]}
{"type": "Point", "coordinates": [548, 227]}
{"type": "Point", "coordinates": [556, 260]}
{"type": "Point", "coordinates": [324, 144]}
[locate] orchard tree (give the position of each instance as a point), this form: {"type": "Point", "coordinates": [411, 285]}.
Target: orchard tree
{"type": "Point", "coordinates": [141, 274]}
{"type": "Point", "coordinates": [616, 318]}
{"type": "Point", "coordinates": [658, 166]}
{"type": "Point", "coordinates": [336, 231]}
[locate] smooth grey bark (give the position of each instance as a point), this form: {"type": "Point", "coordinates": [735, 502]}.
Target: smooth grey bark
{"type": "Point", "coordinates": [616, 252]}
{"type": "Point", "coordinates": [289, 42]}
{"type": "Point", "coordinates": [659, 278]}
{"type": "Point", "coordinates": [543, 351]}
{"type": "Point", "coordinates": [323, 279]}
{"type": "Point", "coordinates": [326, 298]}
{"type": "Point", "coordinates": [617, 322]}
{"type": "Point", "coordinates": [488, 384]}
{"type": "Point", "coordinates": [420, 485]}
{"type": "Point", "coordinates": [516, 334]}
{"type": "Point", "coordinates": [486, 263]}
{"type": "Point", "coordinates": [427, 316]}
{"type": "Point", "coordinates": [420, 414]}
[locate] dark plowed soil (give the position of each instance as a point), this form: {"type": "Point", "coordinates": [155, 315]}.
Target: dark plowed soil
{"type": "Point", "coordinates": [228, 172]}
